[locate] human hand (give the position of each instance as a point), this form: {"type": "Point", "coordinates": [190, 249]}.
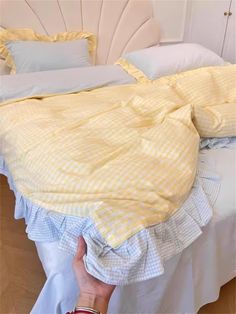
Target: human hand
{"type": "Point", "coordinates": [93, 292]}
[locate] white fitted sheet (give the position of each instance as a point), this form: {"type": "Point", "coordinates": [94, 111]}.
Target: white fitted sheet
{"type": "Point", "coordinates": [192, 278]}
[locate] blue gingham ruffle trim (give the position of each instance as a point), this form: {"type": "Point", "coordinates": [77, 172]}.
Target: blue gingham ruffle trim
{"type": "Point", "coordinates": [143, 255]}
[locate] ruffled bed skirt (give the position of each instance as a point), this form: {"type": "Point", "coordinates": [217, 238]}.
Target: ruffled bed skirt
{"type": "Point", "coordinates": [143, 255]}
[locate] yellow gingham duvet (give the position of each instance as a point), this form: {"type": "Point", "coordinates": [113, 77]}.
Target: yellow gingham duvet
{"type": "Point", "coordinates": [124, 155]}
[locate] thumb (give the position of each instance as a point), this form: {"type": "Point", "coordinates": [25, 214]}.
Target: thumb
{"type": "Point", "coordinates": [81, 249]}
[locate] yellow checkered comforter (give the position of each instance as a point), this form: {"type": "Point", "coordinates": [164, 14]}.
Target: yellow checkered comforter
{"type": "Point", "coordinates": [124, 155]}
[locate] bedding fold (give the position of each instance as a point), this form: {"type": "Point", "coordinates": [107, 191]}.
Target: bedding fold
{"type": "Point", "coordinates": [141, 257]}
{"type": "Point", "coordinates": [38, 84]}
{"type": "Point", "coordinates": [123, 156]}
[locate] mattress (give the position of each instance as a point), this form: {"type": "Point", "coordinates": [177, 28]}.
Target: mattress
{"type": "Point", "coordinates": [201, 269]}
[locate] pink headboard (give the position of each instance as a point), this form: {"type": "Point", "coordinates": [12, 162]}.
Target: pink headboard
{"type": "Point", "coordinates": [120, 25]}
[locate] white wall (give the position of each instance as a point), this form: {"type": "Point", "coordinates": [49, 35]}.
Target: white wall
{"type": "Point", "coordinates": [171, 15]}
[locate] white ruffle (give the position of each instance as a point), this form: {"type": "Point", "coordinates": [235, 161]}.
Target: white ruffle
{"type": "Point", "coordinates": [143, 255]}
{"type": "Point", "coordinates": [213, 142]}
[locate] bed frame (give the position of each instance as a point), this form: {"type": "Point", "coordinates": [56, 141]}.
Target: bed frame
{"type": "Point", "coordinates": [119, 25]}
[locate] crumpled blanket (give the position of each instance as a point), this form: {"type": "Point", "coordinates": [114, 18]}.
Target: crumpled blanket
{"type": "Point", "coordinates": [125, 156]}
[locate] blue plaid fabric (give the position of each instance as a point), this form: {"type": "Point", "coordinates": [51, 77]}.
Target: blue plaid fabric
{"type": "Point", "coordinates": [143, 255]}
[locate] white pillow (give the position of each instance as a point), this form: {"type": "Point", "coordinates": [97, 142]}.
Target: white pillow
{"type": "Point", "coordinates": [4, 69]}
{"type": "Point", "coordinates": [34, 56]}
{"type": "Point", "coordinates": [158, 61]}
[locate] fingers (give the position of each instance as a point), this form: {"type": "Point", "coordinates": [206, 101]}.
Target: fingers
{"type": "Point", "coordinates": [81, 249]}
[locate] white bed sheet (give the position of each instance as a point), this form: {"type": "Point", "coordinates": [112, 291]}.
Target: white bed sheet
{"type": "Point", "coordinates": [191, 279]}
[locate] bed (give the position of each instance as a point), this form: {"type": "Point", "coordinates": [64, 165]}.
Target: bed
{"type": "Point", "coordinates": [203, 259]}
{"type": "Point", "coordinates": [191, 279]}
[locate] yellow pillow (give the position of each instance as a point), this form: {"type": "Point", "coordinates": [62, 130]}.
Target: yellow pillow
{"type": "Point", "coordinates": [7, 35]}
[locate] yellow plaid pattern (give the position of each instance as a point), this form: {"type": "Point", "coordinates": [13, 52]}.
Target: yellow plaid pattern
{"type": "Point", "coordinates": [124, 155]}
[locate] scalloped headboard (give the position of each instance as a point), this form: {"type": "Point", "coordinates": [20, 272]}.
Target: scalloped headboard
{"type": "Point", "coordinates": [119, 25]}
